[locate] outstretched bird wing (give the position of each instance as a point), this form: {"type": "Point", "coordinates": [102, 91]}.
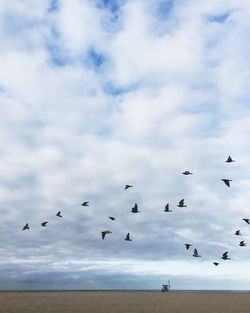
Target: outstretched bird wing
{"type": "Point", "coordinates": [195, 252]}
{"type": "Point", "coordinates": [127, 236]}
{"type": "Point", "coordinates": [229, 160]}
{"type": "Point", "coordinates": [167, 207]}
{"type": "Point", "coordinates": [227, 181]}
{"type": "Point", "coordinates": [225, 255]}
{"type": "Point", "coordinates": [26, 226]}
{"type": "Point", "coordinates": [86, 203]}
{"type": "Point", "coordinates": [181, 203]}
{"type": "Point", "coordinates": [127, 186]}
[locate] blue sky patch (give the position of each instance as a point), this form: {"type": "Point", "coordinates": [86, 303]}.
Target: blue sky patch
{"type": "Point", "coordinates": [58, 56]}
{"type": "Point", "coordinates": [112, 5]}
{"type": "Point", "coordinates": [53, 5]}
{"type": "Point", "coordinates": [113, 90]}
{"type": "Point", "coordinates": [164, 8]}
{"type": "Point", "coordinates": [95, 59]}
{"type": "Point", "coordinates": [221, 18]}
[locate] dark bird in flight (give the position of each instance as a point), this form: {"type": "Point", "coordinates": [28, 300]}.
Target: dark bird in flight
{"type": "Point", "coordinates": [105, 232]}
{"type": "Point", "coordinates": [86, 203]}
{"type": "Point", "coordinates": [59, 214]}
{"type": "Point", "coordinates": [26, 226]}
{"type": "Point", "coordinates": [187, 173]}
{"type": "Point", "coordinates": [135, 209]}
{"type": "Point", "coordinates": [216, 263]}
{"type": "Point", "coordinates": [196, 254]}
{"type": "Point", "coordinates": [247, 220]}
{"type": "Point", "coordinates": [167, 208]}
{"type": "Point", "coordinates": [229, 160]}
{"type": "Point", "coordinates": [225, 256]}
{"type": "Point", "coordinates": [127, 186]}
{"type": "Point", "coordinates": [128, 237]}
{"type": "Point", "coordinates": [188, 245]}
{"type": "Point", "coordinates": [237, 233]}
{"type": "Point", "coordinates": [242, 244]}
{"type": "Point", "coordinates": [181, 204]}
{"type": "Point", "coordinates": [227, 181]}
{"type": "Point", "coordinates": [44, 224]}
{"type": "Point", "coordinates": [112, 218]}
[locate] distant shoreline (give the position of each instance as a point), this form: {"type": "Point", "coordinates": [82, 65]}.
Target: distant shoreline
{"type": "Point", "coordinates": [130, 290]}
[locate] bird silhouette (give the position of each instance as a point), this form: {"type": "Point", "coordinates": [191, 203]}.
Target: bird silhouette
{"type": "Point", "coordinates": [242, 244]}
{"type": "Point", "coordinates": [86, 203]}
{"type": "Point", "coordinates": [187, 173]}
{"type": "Point", "coordinates": [216, 263]}
{"type": "Point", "coordinates": [247, 220]}
{"type": "Point", "coordinates": [135, 209]}
{"type": "Point", "coordinates": [105, 232]}
{"type": "Point", "coordinates": [167, 208]}
{"type": "Point", "coordinates": [26, 226]}
{"type": "Point", "coordinates": [229, 160]}
{"type": "Point", "coordinates": [237, 233]}
{"type": "Point", "coordinates": [59, 214]}
{"type": "Point", "coordinates": [181, 204]}
{"type": "Point", "coordinates": [225, 256]}
{"type": "Point", "coordinates": [196, 254]}
{"type": "Point", "coordinates": [128, 237]}
{"type": "Point", "coordinates": [112, 218]}
{"type": "Point", "coordinates": [127, 186]}
{"type": "Point", "coordinates": [188, 245]}
{"type": "Point", "coordinates": [227, 181]}
{"type": "Point", "coordinates": [44, 224]}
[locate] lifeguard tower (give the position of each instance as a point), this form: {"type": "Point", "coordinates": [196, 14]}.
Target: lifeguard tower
{"type": "Point", "coordinates": [165, 288]}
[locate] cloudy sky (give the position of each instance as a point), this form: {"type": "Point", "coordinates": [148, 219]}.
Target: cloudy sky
{"type": "Point", "coordinates": [96, 94]}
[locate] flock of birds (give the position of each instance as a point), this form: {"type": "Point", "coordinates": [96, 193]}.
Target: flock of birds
{"type": "Point", "coordinates": [181, 204]}
{"type": "Point", "coordinates": [237, 232]}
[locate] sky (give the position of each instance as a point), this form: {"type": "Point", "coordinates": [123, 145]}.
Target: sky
{"type": "Point", "coordinates": [96, 94]}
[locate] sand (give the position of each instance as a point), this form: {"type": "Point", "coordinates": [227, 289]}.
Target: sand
{"type": "Point", "coordinates": [129, 302]}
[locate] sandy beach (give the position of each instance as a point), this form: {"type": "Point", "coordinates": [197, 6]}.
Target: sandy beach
{"type": "Point", "coordinates": [123, 302]}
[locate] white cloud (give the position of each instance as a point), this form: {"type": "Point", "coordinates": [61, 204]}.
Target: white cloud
{"type": "Point", "coordinates": [178, 101]}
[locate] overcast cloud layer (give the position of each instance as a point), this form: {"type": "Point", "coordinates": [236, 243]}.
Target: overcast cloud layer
{"type": "Point", "coordinates": [99, 94]}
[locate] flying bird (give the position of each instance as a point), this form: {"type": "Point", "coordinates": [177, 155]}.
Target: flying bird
{"type": "Point", "coordinates": [26, 226]}
{"type": "Point", "coordinates": [167, 208]}
{"type": "Point", "coordinates": [188, 245]}
{"type": "Point", "coordinates": [86, 203]}
{"type": "Point", "coordinates": [237, 233]}
{"type": "Point", "coordinates": [227, 181]}
{"type": "Point", "coordinates": [59, 214]}
{"type": "Point", "coordinates": [105, 232]}
{"type": "Point", "coordinates": [187, 173]}
{"type": "Point", "coordinates": [242, 244]}
{"type": "Point", "coordinates": [196, 254]}
{"type": "Point", "coordinates": [112, 218]}
{"type": "Point", "coordinates": [127, 186]}
{"type": "Point", "coordinates": [44, 224]}
{"type": "Point", "coordinates": [229, 160]}
{"type": "Point", "coordinates": [247, 220]}
{"type": "Point", "coordinates": [216, 263]}
{"type": "Point", "coordinates": [135, 209]}
{"type": "Point", "coordinates": [225, 256]}
{"type": "Point", "coordinates": [181, 204]}
{"type": "Point", "coordinates": [128, 237]}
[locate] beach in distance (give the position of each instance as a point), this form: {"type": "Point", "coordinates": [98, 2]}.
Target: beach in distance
{"type": "Point", "coordinates": [124, 302]}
